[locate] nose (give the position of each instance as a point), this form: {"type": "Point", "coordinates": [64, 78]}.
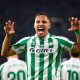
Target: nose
{"type": "Point", "coordinates": [41, 23]}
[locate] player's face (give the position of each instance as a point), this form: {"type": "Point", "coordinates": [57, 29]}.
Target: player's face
{"type": "Point", "coordinates": [42, 25]}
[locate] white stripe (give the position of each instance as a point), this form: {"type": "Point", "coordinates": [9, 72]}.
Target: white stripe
{"type": "Point", "coordinates": [46, 61]}
{"type": "Point", "coordinates": [54, 58]}
{"type": "Point", "coordinates": [64, 38]}
{"type": "Point", "coordinates": [19, 49]}
{"type": "Point", "coordinates": [37, 60]}
{"type": "Point", "coordinates": [29, 59]}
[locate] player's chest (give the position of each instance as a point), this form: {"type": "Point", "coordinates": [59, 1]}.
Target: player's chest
{"type": "Point", "coordinates": [42, 46]}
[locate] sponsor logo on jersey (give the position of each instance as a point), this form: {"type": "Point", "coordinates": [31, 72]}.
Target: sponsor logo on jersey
{"type": "Point", "coordinates": [41, 50]}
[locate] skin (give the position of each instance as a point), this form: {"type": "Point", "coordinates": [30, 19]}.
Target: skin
{"type": "Point", "coordinates": [14, 56]}
{"type": "Point", "coordinates": [41, 25]}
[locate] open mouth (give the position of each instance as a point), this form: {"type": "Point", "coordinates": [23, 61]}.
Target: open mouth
{"type": "Point", "coordinates": [40, 29]}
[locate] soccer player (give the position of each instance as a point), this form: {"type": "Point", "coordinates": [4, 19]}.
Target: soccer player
{"type": "Point", "coordinates": [13, 69]}
{"type": "Point", "coordinates": [43, 50]}
{"type": "Point", "coordinates": [70, 70]}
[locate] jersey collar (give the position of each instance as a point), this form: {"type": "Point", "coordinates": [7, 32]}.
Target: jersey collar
{"type": "Point", "coordinates": [47, 36]}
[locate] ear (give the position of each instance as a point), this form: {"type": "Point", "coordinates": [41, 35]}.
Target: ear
{"type": "Point", "coordinates": [50, 26]}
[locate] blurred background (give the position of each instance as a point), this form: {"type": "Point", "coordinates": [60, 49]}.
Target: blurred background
{"type": "Point", "coordinates": [22, 12]}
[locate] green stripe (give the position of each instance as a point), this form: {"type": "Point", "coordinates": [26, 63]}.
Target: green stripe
{"type": "Point", "coordinates": [41, 63]}
{"type": "Point", "coordinates": [33, 60]}
{"type": "Point", "coordinates": [32, 65]}
{"type": "Point", "coordinates": [58, 58]}
{"type": "Point", "coordinates": [64, 42]}
{"type": "Point", "coordinates": [26, 54]}
{"type": "Point", "coordinates": [61, 71]}
{"type": "Point", "coordinates": [21, 43]}
{"type": "Point", "coordinates": [1, 72]}
{"type": "Point", "coordinates": [26, 58]}
{"type": "Point", "coordinates": [50, 42]}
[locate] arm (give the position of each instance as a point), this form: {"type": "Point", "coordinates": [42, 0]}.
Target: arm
{"type": "Point", "coordinates": [9, 30]}
{"type": "Point", "coordinates": [75, 26]}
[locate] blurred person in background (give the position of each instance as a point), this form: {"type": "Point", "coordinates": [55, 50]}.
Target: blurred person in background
{"type": "Point", "coordinates": [13, 69]}
{"type": "Point", "coordinates": [70, 69]}
{"type": "Point", "coordinates": [42, 50]}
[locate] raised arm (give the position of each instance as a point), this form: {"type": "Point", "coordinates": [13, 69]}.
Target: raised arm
{"type": "Point", "coordinates": [9, 30]}
{"type": "Point", "coordinates": [75, 26]}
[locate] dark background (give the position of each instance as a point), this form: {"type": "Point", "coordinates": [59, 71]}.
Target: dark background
{"type": "Point", "coordinates": [22, 12]}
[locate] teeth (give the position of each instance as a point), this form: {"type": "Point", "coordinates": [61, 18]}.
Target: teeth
{"type": "Point", "coordinates": [41, 28]}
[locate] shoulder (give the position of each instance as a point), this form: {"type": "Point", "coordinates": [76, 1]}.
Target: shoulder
{"type": "Point", "coordinates": [63, 40]}
{"type": "Point", "coordinates": [61, 37]}
{"type": "Point", "coordinates": [58, 37]}
{"type": "Point", "coordinates": [18, 61]}
{"type": "Point", "coordinates": [23, 40]}
{"type": "Point", "coordinates": [3, 65]}
{"type": "Point", "coordinates": [65, 62]}
{"type": "Point", "coordinates": [22, 61]}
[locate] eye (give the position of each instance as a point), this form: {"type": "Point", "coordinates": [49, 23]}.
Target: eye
{"type": "Point", "coordinates": [37, 21]}
{"type": "Point", "coordinates": [44, 22]}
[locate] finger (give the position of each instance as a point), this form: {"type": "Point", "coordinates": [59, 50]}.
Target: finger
{"type": "Point", "coordinates": [79, 21]}
{"type": "Point", "coordinates": [76, 20]}
{"type": "Point", "coordinates": [6, 23]}
{"type": "Point", "coordinates": [12, 32]}
{"type": "Point", "coordinates": [79, 24]}
{"type": "Point", "coordinates": [4, 28]}
{"type": "Point", "coordinates": [70, 29]}
{"type": "Point", "coordinates": [12, 28]}
{"type": "Point", "coordinates": [71, 20]}
{"type": "Point", "coordinates": [13, 24]}
{"type": "Point", "coordinates": [73, 29]}
{"type": "Point", "coordinates": [9, 22]}
{"type": "Point", "coordinates": [72, 17]}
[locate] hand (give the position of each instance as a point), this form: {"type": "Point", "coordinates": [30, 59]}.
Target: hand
{"type": "Point", "coordinates": [9, 27]}
{"type": "Point", "coordinates": [75, 24]}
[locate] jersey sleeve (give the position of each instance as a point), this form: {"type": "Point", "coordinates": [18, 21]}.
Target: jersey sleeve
{"type": "Point", "coordinates": [65, 43]}
{"type": "Point", "coordinates": [19, 47]}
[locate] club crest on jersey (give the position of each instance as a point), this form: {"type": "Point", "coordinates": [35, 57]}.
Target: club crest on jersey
{"type": "Point", "coordinates": [41, 50]}
{"type": "Point", "coordinates": [51, 44]}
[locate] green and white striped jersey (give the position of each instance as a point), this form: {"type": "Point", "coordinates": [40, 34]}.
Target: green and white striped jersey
{"type": "Point", "coordinates": [43, 55]}
{"type": "Point", "coordinates": [70, 70]}
{"type": "Point", "coordinates": [13, 69]}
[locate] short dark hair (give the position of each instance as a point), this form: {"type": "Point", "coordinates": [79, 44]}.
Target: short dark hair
{"type": "Point", "coordinates": [75, 55]}
{"type": "Point", "coordinates": [43, 13]}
